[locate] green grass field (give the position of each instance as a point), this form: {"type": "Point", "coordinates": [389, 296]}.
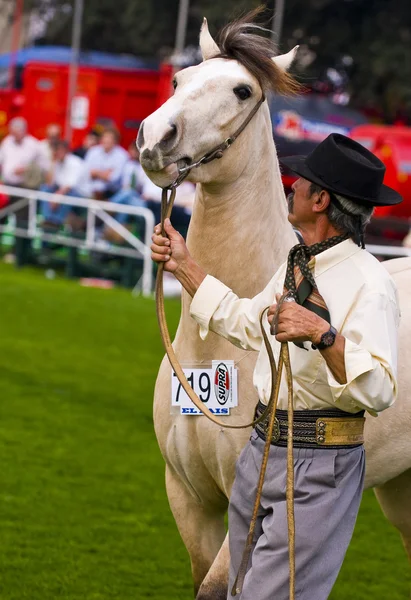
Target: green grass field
{"type": "Point", "coordinates": [83, 509]}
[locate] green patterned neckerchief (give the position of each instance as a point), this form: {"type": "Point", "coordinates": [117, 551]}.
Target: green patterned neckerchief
{"type": "Point", "coordinates": [299, 280]}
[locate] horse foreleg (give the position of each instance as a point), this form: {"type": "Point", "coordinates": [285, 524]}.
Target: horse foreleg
{"type": "Point", "coordinates": [394, 498]}
{"type": "Point", "coordinates": [215, 584]}
{"type": "Point", "coordinates": [201, 528]}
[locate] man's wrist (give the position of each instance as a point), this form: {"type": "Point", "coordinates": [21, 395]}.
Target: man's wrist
{"type": "Point", "coordinates": [323, 327]}
{"type": "Point", "coordinates": [190, 275]}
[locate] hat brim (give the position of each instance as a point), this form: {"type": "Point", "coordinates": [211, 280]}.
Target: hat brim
{"type": "Point", "coordinates": [386, 197]}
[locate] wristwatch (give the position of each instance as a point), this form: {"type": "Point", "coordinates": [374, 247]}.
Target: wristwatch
{"type": "Point", "coordinates": [327, 339]}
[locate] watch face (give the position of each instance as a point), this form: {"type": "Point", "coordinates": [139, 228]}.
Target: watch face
{"type": "Point", "coordinates": [328, 338]}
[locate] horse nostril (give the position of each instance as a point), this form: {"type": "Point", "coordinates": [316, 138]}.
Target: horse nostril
{"type": "Point", "coordinates": [140, 136]}
{"type": "Point", "coordinates": [170, 135]}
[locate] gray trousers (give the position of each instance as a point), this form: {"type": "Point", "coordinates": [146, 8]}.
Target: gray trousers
{"type": "Point", "coordinates": [328, 490]}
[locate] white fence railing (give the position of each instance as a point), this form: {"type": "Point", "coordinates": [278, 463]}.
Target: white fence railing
{"type": "Point", "coordinates": [101, 209]}
{"type": "Point", "coordinates": [388, 251]}
{"type": "Point", "coordinates": [95, 209]}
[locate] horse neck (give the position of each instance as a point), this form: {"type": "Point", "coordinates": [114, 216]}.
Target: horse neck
{"type": "Point", "coordinates": [239, 231]}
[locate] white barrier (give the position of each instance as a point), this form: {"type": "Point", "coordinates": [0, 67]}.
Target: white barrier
{"type": "Point", "coordinates": [388, 251]}
{"type": "Point", "coordinates": [95, 208]}
{"type": "Point", "coordinates": [100, 208]}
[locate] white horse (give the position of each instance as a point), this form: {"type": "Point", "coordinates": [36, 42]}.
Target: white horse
{"type": "Point", "coordinates": [239, 233]}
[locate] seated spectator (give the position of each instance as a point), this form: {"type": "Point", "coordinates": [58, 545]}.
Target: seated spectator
{"type": "Point", "coordinates": [53, 135]}
{"type": "Point", "coordinates": [65, 179]}
{"type": "Point", "coordinates": [19, 153]}
{"type": "Point", "coordinates": [183, 204]}
{"type": "Point", "coordinates": [104, 166]}
{"type": "Point", "coordinates": [92, 138]}
{"type": "Point", "coordinates": [22, 162]}
{"type": "Point", "coordinates": [132, 183]}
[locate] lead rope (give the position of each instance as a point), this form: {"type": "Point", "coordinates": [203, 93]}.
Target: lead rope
{"type": "Point", "coordinates": [284, 359]}
{"type": "Point", "coordinates": [270, 412]}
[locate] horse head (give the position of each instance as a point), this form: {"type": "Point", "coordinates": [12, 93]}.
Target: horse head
{"type": "Point", "coordinates": [210, 102]}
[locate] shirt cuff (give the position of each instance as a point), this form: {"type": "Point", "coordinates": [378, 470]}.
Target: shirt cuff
{"type": "Point", "coordinates": [205, 302]}
{"type": "Point", "coordinates": [357, 362]}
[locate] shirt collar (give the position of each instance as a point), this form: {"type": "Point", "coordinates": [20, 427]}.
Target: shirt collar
{"type": "Point", "coordinates": [331, 257]}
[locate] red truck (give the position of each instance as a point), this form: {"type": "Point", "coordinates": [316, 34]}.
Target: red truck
{"type": "Point", "coordinates": [115, 90]}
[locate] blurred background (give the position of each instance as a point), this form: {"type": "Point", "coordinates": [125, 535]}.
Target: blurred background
{"type": "Point", "coordinates": [83, 510]}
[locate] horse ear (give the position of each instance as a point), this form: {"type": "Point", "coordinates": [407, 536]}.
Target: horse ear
{"type": "Point", "coordinates": [284, 61]}
{"type": "Point", "coordinates": [208, 46]}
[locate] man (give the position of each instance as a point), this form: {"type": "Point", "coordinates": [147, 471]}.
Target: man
{"type": "Point", "coordinates": [132, 182]}
{"type": "Point", "coordinates": [53, 135]}
{"type": "Point", "coordinates": [22, 162]}
{"type": "Point", "coordinates": [104, 165]}
{"type": "Point", "coordinates": [18, 152]}
{"type": "Point", "coordinates": [65, 179]}
{"type": "Point", "coordinates": [341, 326]}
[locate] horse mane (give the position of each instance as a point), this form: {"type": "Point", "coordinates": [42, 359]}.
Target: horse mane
{"type": "Point", "coordinates": [240, 41]}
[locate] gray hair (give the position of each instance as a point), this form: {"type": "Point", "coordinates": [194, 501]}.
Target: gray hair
{"type": "Point", "coordinates": [345, 220]}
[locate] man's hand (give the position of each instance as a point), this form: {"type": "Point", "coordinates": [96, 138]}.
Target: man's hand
{"type": "Point", "coordinates": [171, 250]}
{"type": "Point", "coordinates": [19, 170]}
{"type": "Point", "coordinates": [296, 323]}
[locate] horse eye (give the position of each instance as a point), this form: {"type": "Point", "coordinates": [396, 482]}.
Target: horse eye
{"type": "Point", "coordinates": [174, 83]}
{"type": "Point", "coordinates": [242, 92]}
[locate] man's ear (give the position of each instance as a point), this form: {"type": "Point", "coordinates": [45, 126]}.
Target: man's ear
{"type": "Point", "coordinates": [322, 202]}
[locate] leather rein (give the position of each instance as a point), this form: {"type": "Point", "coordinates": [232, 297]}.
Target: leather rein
{"type": "Point", "coordinates": [167, 201]}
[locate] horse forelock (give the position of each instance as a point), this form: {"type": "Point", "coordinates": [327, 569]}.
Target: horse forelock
{"type": "Point", "coordinates": [242, 41]}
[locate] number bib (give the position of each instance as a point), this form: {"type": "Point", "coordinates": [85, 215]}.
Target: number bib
{"type": "Point", "coordinates": [216, 387]}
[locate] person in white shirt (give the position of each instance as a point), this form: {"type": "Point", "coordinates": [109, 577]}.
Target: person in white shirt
{"type": "Point", "coordinates": [21, 158]}
{"type": "Point", "coordinates": [19, 151]}
{"type": "Point", "coordinates": [337, 308]}
{"type": "Point", "coordinates": [53, 135]}
{"type": "Point", "coordinates": [132, 183]}
{"type": "Point", "coordinates": [104, 166]}
{"type": "Point", "coordinates": [65, 178]}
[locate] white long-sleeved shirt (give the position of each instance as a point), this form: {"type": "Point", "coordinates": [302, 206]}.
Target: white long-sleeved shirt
{"type": "Point", "coordinates": [363, 303]}
{"type": "Point", "coordinates": [15, 155]}
{"type": "Point", "coordinates": [98, 158]}
{"type": "Point", "coordinates": [69, 172]}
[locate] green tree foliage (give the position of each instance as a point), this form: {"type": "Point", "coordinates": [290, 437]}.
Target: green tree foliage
{"type": "Point", "coordinates": [375, 33]}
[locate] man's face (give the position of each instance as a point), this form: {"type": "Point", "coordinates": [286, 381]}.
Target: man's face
{"type": "Point", "coordinates": [300, 203]}
{"type": "Point", "coordinates": [53, 133]}
{"type": "Point", "coordinates": [108, 141]}
{"type": "Point", "coordinates": [18, 134]}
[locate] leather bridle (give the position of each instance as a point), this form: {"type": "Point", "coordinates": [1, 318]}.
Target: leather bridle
{"type": "Point", "coordinates": [217, 151]}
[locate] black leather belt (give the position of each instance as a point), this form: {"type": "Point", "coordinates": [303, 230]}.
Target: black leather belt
{"type": "Point", "coordinates": [315, 428]}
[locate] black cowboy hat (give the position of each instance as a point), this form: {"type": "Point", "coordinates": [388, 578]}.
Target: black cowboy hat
{"type": "Point", "coordinates": [345, 167]}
